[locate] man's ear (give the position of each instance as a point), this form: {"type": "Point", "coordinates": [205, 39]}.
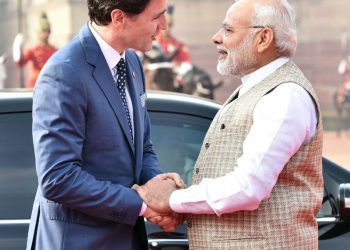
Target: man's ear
{"type": "Point", "coordinates": [117, 17]}
{"type": "Point", "coordinates": [265, 39]}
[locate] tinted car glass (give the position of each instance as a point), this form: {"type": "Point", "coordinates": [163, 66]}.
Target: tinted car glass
{"type": "Point", "coordinates": [18, 180]}
{"type": "Point", "coordinates": [177, 139]}
{"type": "Point", "coordinates": [327, 208]}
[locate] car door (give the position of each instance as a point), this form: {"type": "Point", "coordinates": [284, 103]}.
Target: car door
{"type": "Point", "coordinates": [18, 180]}
{"type": "Point", "coordinates": [333, 231]}
{"type": "Point", "coordinates": [177, 139]}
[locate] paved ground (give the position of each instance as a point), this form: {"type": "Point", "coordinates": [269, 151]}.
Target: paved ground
{"type": "Point", "coordinates": [337, 148]}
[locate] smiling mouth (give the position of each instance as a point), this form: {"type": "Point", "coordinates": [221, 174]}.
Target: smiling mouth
{"type": "Point", "coordinates": [154, 37]}
{"type": "Point", "coordinates": [222, 52]}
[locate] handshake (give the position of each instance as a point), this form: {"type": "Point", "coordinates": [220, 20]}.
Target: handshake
{"type": "Point", "coordinates": [156, 194]}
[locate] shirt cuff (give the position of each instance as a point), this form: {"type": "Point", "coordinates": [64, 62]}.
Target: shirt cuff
{"type": "Point", "coordinates": [190, 200]}
{"type": "Point", "coordinates": [174, 202]}
{"type": "Point", "coordinates": [143, 209]}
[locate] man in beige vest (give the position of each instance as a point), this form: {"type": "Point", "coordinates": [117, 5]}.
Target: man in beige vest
{"type": "Point", "coordinates": [257, 183]}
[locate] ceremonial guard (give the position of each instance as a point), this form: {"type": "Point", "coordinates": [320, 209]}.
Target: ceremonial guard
{"type": "Point", "coordinates": [172, 46]}
{"type": "Point", "coordinates": [37, 55]}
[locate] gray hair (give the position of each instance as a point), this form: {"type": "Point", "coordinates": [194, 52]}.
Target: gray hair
{"type": "Point", "coordinates": [281, 19]}
{"type": "Point", "coordinates": [279, 16]}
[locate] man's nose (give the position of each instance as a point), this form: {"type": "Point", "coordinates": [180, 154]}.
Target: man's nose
{"type": "Point", "coordinates": [217, 38]}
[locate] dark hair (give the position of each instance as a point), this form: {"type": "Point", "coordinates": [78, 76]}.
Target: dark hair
{"type": "Point", "coordinates": [100, 10]}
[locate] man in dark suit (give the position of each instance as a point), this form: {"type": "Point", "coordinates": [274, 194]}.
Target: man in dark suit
{"type": "Point", "coordinates": [91, 133]}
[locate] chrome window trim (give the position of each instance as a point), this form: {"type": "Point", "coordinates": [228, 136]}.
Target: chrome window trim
{"type": "Point", "coordinates": [14, 222]}
{"type": "Point", "coordinates": [164, 242]}
{"type": "Point", "coordinates": [327, 219]}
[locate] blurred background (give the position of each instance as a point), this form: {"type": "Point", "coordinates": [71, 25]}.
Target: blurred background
{"type": "Point", "coordinates": [322, 53]}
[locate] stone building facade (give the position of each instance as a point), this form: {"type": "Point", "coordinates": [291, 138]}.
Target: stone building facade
{"type": "Point", "coordinates": [321, 24]}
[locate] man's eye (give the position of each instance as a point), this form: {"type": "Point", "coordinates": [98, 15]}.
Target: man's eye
{"type": "Point", "coordinates": [227, 31]}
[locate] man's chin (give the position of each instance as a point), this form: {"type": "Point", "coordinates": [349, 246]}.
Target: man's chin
{"type": "Point", "coordinates": [145, 48]}
{"type": "Point", "coordinates": [223, 69]}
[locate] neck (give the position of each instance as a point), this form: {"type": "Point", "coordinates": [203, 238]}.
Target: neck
{"type": "Point", "coordinates": [266, 59]}
{"type": "Point", "coordinates": [107, 34]}
{"type": "Point", "coordinates": [43, 43]}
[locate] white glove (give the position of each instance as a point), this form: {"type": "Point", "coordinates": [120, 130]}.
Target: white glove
{"type": "Point", "coordinates": [17, 47]}
{"type": "Point", "coordinates": [184, 68]}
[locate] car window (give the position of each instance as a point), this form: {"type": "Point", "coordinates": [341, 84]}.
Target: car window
{"type": "Point", "coordinates": [177, 140]}
{"type": "Point", "coordinates": [328, 207]}
{"type": "Point", "coordinates": [18, 180]}
{"type": "Point", "coordinates": [326, 210]}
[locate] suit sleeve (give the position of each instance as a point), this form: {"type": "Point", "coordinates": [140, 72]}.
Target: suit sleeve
{"type": "Point", "coordinates": [59, 113]}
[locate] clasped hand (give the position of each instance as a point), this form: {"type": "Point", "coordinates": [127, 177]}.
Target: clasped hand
{"type": "Point", "coordinates": [156, 193]}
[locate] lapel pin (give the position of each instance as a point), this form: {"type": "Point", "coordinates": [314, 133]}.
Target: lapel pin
{"type": "Point", "coordinates": [133, 74]}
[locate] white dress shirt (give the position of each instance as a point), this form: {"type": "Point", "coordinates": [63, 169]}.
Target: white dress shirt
{"type": "Point", "coordinates": [112, 58]}
{"type": "Point", "coordinates": [283, 120]}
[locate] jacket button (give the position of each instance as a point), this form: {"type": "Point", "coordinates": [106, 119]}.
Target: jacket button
{"type": "Point", "coordinates": [197, 170]}
{"type": "Point", "coordinates": [223, 126]}
{"type": "Point", "coordinates": [207, 145]}
{"type": "Point", "coordinates": [189, 224]}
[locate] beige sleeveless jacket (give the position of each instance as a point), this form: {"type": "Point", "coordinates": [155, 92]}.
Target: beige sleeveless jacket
{"type": "Point", "coordinates": [287, 219]}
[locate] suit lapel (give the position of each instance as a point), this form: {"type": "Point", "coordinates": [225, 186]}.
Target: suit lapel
{"type": "Point", "coordinates": [135, 98]}
{"type": "Point", "coordinates": [134, 83]}
{"type": "Point", "coordinates": [105, 80]}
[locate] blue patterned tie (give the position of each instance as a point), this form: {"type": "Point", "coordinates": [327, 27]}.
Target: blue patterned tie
{"type": "Point", "coordinates": [120, 79]}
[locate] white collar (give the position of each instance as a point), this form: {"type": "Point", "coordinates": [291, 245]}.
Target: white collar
{"type": "Point", "coordinates": [250, 80]}
{"type": "Point", "coordinates": [111, 55]}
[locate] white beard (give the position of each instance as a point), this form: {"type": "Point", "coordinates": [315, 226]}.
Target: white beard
{"type": "Point", "coordinates": [239, 59]}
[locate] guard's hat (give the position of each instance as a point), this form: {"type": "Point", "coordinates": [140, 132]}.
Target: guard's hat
{"type": "Point", "coordinates": [44, 24]}
{"type": "Point", "coordinates": [170, 15]}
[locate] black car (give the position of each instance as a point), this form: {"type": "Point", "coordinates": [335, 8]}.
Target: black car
{"type": "Point", "coordinates": [179, 124]}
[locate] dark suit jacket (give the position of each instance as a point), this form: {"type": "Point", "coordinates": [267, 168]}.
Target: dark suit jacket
{"type": "Point", "coordinates": [85, 159]}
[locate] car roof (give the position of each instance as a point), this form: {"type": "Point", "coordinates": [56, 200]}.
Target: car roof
{"type": "Point", "coordinates": [172, 102]}
{"type": "Point", "coordinates": [15, 100]}
{"type": "Point", "coordinates": [20, 100]}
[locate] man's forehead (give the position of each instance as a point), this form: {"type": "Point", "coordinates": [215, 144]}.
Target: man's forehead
{"type": "Point", "coordinates": [237, 14]}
